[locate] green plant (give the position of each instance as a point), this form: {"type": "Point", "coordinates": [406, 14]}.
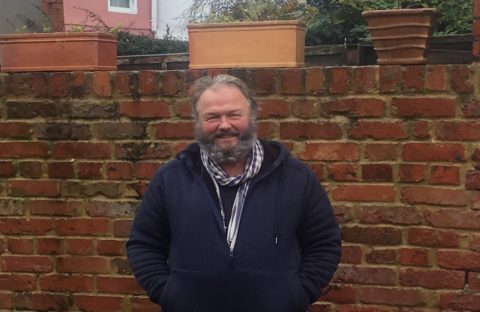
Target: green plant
{"type": "Point", "coordinates": [130, 44]}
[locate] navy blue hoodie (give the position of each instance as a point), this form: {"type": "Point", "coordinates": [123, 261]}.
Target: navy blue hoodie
{"type": "Point", "coordinates": [287, 249]}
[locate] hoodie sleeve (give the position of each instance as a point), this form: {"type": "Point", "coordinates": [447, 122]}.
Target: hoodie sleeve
{"type": "Point", "coordinates": [148, 245]}
{"type": "Point", "coordinates": [320, 240]}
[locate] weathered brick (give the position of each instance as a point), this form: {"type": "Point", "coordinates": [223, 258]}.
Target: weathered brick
{"type": "Point", "coordinates": [448, 175]}
{"type": "Point", "coordinates": [24, 149]}
{"type": "Point", "coordinates": [145, 109]}
{"type": "Point", "coordinates": [459, 301]}
{"type": "Point", "coordinates": [110, 247]}
{"type": "Point", "coordinates": [83, 226]}
{"type": "Point", "coordinates": [83, 264]}
{"type": "Point", "coordinates": [172, 83]}
{"type": "Point", "coordinates": [377, 172]}
{"type": "Point", "coordinates": [98, 303]}
{"type": "Point", "coordinates": [62, 131]}
{"type": "Point", "coordinates": [6, 301]}
{"type": "Point", "coordinates": [355, 107]}
{"type": "Point", "coordinates": [458, 131]}
{"type": "Point", "coordinates": [101, 84]}
{"type": "Point", "coordinates": [310, 130]}
{"type": "Point", "coordinates": [421, 129]}
{"type": "Point", "coordinates": [54, 207]}
{"type": "Point", "coordinates": [382, 256]}
{"type": "Point", "coordinates": [453, 219]}
{"type": "Point", "coordinates": [471, 108]}
{"type": "Point", "coordinates": [330, 151]}
{"type": "Point", "coordinates": [458, 260]}
{"type": "Point", "coordinates": [267, 129]}
{"type": "Point", "coordinates": [401, 215]}
{"type": "Point", "coordinates": [378, 130]}
{"type": "Point", "coordinates": [49, 246]}
{"type": "Point", "coordinates": [7, 169]}
{"type": "Point", "coordinates": [86, 150]}
{"type": "Point", "coordinates": [26, 263]}
{"type": "Point", "coordinates": [121, 82]}
{"type": "Point", "coordinates": [341, 294]}
{"type": "Point", "coordinates": [292, 81]}
{"type": "Point", "coordinates": [433, 152]}
{"type": "Point", "coordinates": [57, 84]}
{"type": "Point", "coordinates": [11, 207]}
{"type": "Point", "coordinates": [414, 257]}
{"type": "Point", "coordinates": [433, 279]}
{"type": "Point", "coordinates": [305, 108]}
{"type": "Point", "coordinates": [142, 151]}
{"type": "Point", "coordinates": [119, 130]}
{"type": "Point", "coordinates": [366, 275]}
{"type": "Point", "coordinates": [15, 130]}
{"type": "Point", "coordinates": [34, 188]}
{"type": "Point", "coordinates": [80, 246]}
{"type": "Point", "coordinates": [121, 228]}
{"type": "Point", "coordinates": [18, 84]}
{"type": "Point", "coordinates": [148, 82]}
{"type": "Point", "coordinates": [351, 254]}
{"type": "Point", "coordinates": [424, 107]}
{"type": "Point", "coordinates": [146, 170]}
{"type": "Point", "coordinates": [394, 296]}
{"type": "Point", "coordinates": [118, 285]}
{"type": "Point", "coordinates": [436, 79]}
{"type": "Point", "coordinates": [342, 172]}
{"type": "Point", "coordinates": [108, 189]}
{"type": "Point", "coordinates": [79, 84]}
{"type": "Point", "coordinates": [61, 170]}
{"type": "Point", "coordinates": [411, 173]}
{"type": "Point", "coordinates": [365, 79]}
{"type": "Point", "coordinates": [364, 193]}
{"type": "Point", "coordinates": [119, 171]}
{"type": "Point", "coordinates": [317, 169]}
{"type": "Point", "coordinates": [433, 196]}
{"type": "Point", "coordinates": [314, 80]}
{"type": "Point", "coordinates": [42, 302]}
{"type": "Point", "coordinates": [20, 246]}
{"type": "Point", "coordinates": [66, 283]}
{"type": "Point", "coordinates": [17, 282]}
{"type": "Point", "coordinates": [265, 81]}
{"type": "Point", "coordinates": [372, 235]}
{"type": "Point", "coordinates": [24, 227]}
{"type": "Point", "coordinates": [84, 109]}
{"type": "Point", "coordinates": [433, 237]}
{"type": "Point", "coordinates": [115, 209]}
{"type": "Point", "coordinates": [39, 84]}
{"type": "Point", "coordinates": [390, 78]}
{"type": "Point", "coordinates": [174, 130]}
{"type": "Point", "coordinates": [381, 151]}
{"type": "Point", "coordinates": [474, 280]}
{"type": "Point", "coordinates": [414, 78]}
{"type": "Point", "coordinates": [340, 78]}
{"type": "Point", "coordinates": [30, 169]}
{"type": "Point", "coordinates": [32, 109]}
{"type": "Point", "coordinates": [273, 108]}
{"type": "Point", "coordinates": [461, 77]}
{"type": "Point", "coordinates": [472, 180]}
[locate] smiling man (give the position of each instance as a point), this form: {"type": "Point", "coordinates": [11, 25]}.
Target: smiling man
{"type": "Point", "coordinates": [233, 224]}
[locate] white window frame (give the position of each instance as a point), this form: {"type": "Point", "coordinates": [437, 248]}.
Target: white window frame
{"type": "Point", "coordinates": [131, 10]}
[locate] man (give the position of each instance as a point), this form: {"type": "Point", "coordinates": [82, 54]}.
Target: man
{"type": "Point", "coordinates": [233, 223]}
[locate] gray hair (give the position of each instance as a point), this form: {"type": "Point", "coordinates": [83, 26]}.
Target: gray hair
{"type": "Point", "coordinates": [204, 83]}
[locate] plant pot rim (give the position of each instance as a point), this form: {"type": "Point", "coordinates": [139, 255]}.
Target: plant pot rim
{"type": "Point", "coordinates": [274, 23]}
{"type": "Point", "coordinates": [396, 12]}
{"type": "Point", "coordinates": [89, 34]}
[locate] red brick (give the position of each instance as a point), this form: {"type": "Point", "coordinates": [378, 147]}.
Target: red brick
{"type": "Point", "coordinates": [432, 279]}
{"type": "Point", "coordinates": [146, 170]}
{"type": "Point", "coordinates": [137, 151]}
{"type": "Point", "coordinates": [351, 254]}
{"type": "Point", "coordinates": [434, 237]}
{"type": "Point", "coordinates": [147, 82]}
{"type": "Point", "coordinates": [79, 83]}
{"type": "Point", "coordinates": [49, 246]}
{"type": "Point", "coordinates": [61, 170]}
{"type": "Point", "coordinates": [34, 188]}
{"type": "Point", "coordinates": [82, 226]}
{"type": "Point", "coordinates": [118, 285]}
{"type": "Point", "coordinates": [339, 80]}
{"type": "Point", "coordinates": [472, 180]}
{"type": "Point", "coordinates": [355, 107]}
{"type": "Point", "coordinates": [119, 130]}
{"type": "Point", "coordinates": [436, 78]}
{"type": "Point", "coordinates": [83, 264]}
{"type": "Point", "coordinates": [42, 302]}
{"type": "Point", "coordinates": [92, 303]}
{"type": "Point", "coordinates": [411, 173]}
{"type": "Point", "coordinates": [51, 207]}
{"type": "Point", "coordinates": [377, 172]}
{"type": "Point", "coordinates": [17, 282]}
{"type": "Point", "coordinates": [381, 256]}
{"type": "Point", "coordinates": [365, 79]}
{"type": "Point", "coordinates": [305, 108]}
{"type": "Point", "coordinates": [458, 260]}
{"type": "Point", "coordinates": [267, 129]}
{"type": "Point", "coordinates": [183, 109]}
{"type": "Point", "coordinates": [474, 243]}
{"type": "Point", "coordinates": [433, 152]}
{"type": "Point", "coordinates": [310, 130]}
{"type": "Point", "coordinates": [57, 85]}
{"type": "Point", "coordinates": [15, 130]}
{"type": "Point", "coordinates": [122, 82]}
{"type": "Point", "coordinates": [6, 301]}
{"type": "Point", "coordinates": [365, 193]}
{"type": "Point", "coordinates": [27, 264]}
{"type": "Point", "coordinates": [90, 170]}
{"type": "Point", "coordinates": [372, 235]}
{"type": "Point", "coordinates": [20, 246]}
{"type": "Point", "coordinates": [171, 83]}
{"type": "Point", "coordinates": [30, 169]}
{"type": "Point", "coordinates": [265, 81]}
{"type": "Point", "coordinates": [119, 170]}
{"type": "Point", "coordinates": [414, 257]}
{"type": "Point", "coordinates": [292, 81]}
{"type": "Point", "coordinates": [342, 172]}
{"type": "Point", "coordinates": [340, 294]}
{"type": "Point", "coordinates": [461, 77]}
{"type": "Point", "coordinates": [39, 84]}
{"type": "Point", "coordinates": [366, 275]}
{"type": "Point", "coordinates": [174, 130]}
{"type": "Point", "coordinates": [122, 228]}
{"type": "Point", "coordinates": [401, 215]}
{"type": "Point", "coordinates": [81, 150]}
{"type": "Point", "coordinates": [421, 129]}
{"type": "Point", "coordinates": [101, 85]}
{"type": "Point", "coordinates": [317, 169]}
{"type": "Point", "coordinates": [330, 151]}
{"type": "Point", "coordinates": [314, 80]}
{"type": "Point", "coordinates": [474, 280]}
{"type": "Point", "coordinates": [414, 77]}
{"type": "Point", "coordinates": [141, 304]}
{"type": "Point", "coordinates": [394, 296]}
{"type": "Point", "coordinates": [111, 247]}
{"type": "Point", "coordinates": [433, 196]}
{"type": "Point", "coordinates": [273, 108]}
{"type": "Point", "coordinates": [389, 79]}
{"type": "Point", "coordinates": [80, 246]}
{"type": "Point", "coordinates": [145, 109]}
{"type": "Point", "coordinates": [381, 151]}
{"type": "Point", "coordinates": [445, 175]}
{"type": "Point", "coordinates": [66, 283]}
{"type": "Point", "coordinates": [424, 107]}
{"type": "Point", "coordinates": [459, 301]}
{"type": "Point", "coordinates": [24, 226]}
{"type": "Point", "coordinates": [24, 149]}
{"type": "Point", "coordinates": [7, 169]}
{"type": "Point", "coordinates": [453, 219]}
{"type": "Point", "coordinates": [458, 131]}
{"type": "Point", "coordinates": [378, 130]}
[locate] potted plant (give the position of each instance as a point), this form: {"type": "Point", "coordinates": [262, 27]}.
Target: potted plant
{"type": "Point", "coordinates": [262, 33]}
{"type": "Point", "coordinates": [47, 50]}
{"type": "Point", "coordinates": [400, 35]}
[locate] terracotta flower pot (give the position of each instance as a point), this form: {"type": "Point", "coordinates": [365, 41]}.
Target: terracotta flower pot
{"type": "Point", "coordinates": [58, 52]}
{"type": "Point", "coordinates": [247, 44]}
{"type": "Point", "coordinates": [400, 36]}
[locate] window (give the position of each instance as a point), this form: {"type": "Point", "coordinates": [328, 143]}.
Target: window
{"type": "Point", "coordinates": [123, 6]}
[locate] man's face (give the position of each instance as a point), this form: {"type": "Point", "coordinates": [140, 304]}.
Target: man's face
{"type": "Point", "coordinates": [225, 127]}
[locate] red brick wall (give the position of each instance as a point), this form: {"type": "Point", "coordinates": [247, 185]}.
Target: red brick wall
{"type": "Point", "coordinates": [397, 148]}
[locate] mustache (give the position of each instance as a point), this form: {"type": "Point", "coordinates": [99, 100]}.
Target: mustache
{"type": "Point", "coordinates": [225, 133]}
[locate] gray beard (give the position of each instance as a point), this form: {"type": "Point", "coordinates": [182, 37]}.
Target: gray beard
{"type": "Point", "coordinates": [243, 148]}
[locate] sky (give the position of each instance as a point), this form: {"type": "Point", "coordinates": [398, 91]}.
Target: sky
{"type": "Point", "coordinates": [169, 14]}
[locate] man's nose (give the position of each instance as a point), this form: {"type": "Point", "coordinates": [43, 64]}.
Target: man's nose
{"type": "Point", "coordinates": [224, 123]}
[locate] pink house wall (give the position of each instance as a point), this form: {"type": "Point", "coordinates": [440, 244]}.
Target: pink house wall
{"type": "Point", "coordinates": [135, 23]}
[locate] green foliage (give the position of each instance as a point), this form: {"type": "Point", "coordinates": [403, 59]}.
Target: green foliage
{"type": "Point", "coordinates": [130, 44]}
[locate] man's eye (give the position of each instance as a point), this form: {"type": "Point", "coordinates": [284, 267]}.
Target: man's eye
{"type": "Point", "coordinates": [211, 118]}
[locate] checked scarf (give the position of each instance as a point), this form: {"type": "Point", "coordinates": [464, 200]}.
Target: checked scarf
{"type": "Point", "coordinates": [218, 175]}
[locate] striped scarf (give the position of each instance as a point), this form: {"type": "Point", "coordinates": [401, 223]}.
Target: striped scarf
{"type": "Point", "coordinates": [218, 175]}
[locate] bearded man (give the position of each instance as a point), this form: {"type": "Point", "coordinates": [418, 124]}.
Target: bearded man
{"type": "Point", "coordinates": [234, 223]}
